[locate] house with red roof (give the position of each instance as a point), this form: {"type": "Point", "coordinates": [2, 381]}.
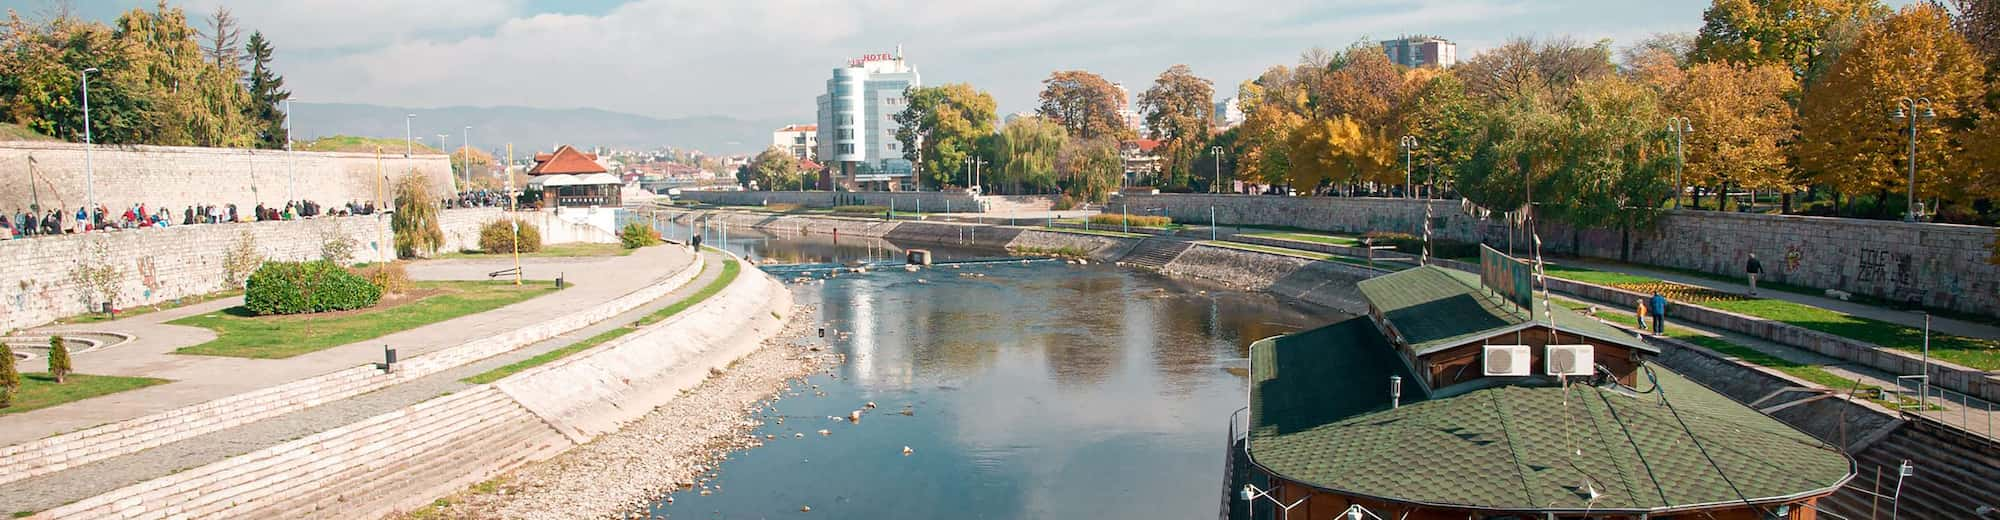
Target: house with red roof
{"type": "Point", "coordinates": [568, 177]}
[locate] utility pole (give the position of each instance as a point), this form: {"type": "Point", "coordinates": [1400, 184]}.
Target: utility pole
{"type": "Point", "coordinates": [1680, 126]}
{"type": "Point", "coordinates": [515, 218]}
{"type": "Point", "coordinates": [409, 139]}
{"type": "Point", "coordinates": [1215, 155]}
{"type": "Point", "coordinates": [89, 183]}
{"type": "Point", "coordinates": [1908, 109]}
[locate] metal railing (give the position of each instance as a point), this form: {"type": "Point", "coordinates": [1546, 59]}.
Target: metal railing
{"type": "Point", "coordinates": [1239, 431]}
{"type": "Point", "coordinates": [1914, 396]}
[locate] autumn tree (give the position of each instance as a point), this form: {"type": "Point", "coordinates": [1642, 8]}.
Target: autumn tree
{"type": "Point", "coordinates": [1445, 119]}
{"type": "Point", "coordinates": [1271, 107]}
{"type": "Point", "coordinates": [1742, 123]}
{"type": "Point", "coordinates": [1527, 67]}
{"type": "Point", "coordinates": [1025, 154]}
{"type": "Point", "coordinates": [1612, 174]}
{"type": "Point", "coordinates": [776, 169]}
{"type": "Point", "coordinates": [1848, 140]}
{"type": "Point", "coordinates": [1804, 36]}
{"type": "Point", "coordinates": [1178, 109]}
{"type": "Point", "coordinates": [1084, 104]}
{"type": "Point", "coordinates": [220, 40]}
{"type": "Point", "coordinates": [415, 221]}
{"type": "Point", "coordinates": [941, 127]}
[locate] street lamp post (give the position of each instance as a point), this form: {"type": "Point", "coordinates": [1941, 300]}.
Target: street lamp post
{"type": "Point", "coordinates": [1909, 110]}
{"type": "Point", "coordinates": [409, 139]}
{"type": "Point", "coordinates": [1680, 126]}
{"type": "Point", "coordinates": [1215, 155]}
{"type": "Point", "coordinates": [89, 183]}
{"type": "Point", "coordinates": [466, 141]}
{"type": "Point", "coordinates": [291, 154]}
{"type": "Point", "coordinates": [1409, 145]}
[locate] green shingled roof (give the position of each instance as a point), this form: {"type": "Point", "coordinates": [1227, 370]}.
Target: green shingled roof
{"type": "Point", "coordinates": [1437, 308]}
{"type": "Point", "coordinates": [1320, 416]}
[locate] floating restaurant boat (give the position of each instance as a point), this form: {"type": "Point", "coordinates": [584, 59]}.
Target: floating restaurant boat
{"type": "Point", "coordinates": [1467, 396]}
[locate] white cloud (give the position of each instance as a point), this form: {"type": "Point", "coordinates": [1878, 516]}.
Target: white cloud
{"type": "Point", "coordinates": [769, 58]}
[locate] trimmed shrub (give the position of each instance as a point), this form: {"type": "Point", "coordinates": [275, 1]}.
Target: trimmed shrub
{"type": "Point", "coordinates": [1063, 202]}
{"type": "Point", "coordinates": [10, 376]}
{"type": "Point", "coordinates": [1115, 219]}
{"type": "Point", "coordinates": [636, 235]}
{"type": "Point", "coordinates": [782, 207]}
{"type": "Point", "coordinates": [861, 210]}
{"type": "Point", "coordinates": [497, 237]}
{"type": "Point", "coordinates": [306, 287]}
{"type": "Point", "coordinates": [390, 276]}
{"type": "Point", "coordinates": [1412, 244]}
{"type": "Point", "coordinates": [58, 358]}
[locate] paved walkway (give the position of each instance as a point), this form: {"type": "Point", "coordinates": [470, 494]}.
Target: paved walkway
{"type": "Point", "coordinates": [1906, 318]}
{"type": "Point", "coordinates": [44, 492]}
{"type": "Point", "coordinates": [1953, 408]}
{"type": "Point", "coordinates": [202, 378]}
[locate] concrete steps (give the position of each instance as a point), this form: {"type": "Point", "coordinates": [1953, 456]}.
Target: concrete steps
{"type": "Point", "coordinates": [1954, 475]}
{"type": "Point", "coordinates": [1155, 253]}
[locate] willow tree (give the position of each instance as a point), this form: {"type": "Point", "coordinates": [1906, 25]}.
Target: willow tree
{"type": "Point", "coordinates": [1026, 151]}
{"type": "Point", "coordinates": [415, 221]}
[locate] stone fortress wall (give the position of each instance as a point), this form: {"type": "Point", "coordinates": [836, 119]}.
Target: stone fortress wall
{"type": "Point", "coordinates": [1941, 265]}
{"type": "Point", "coordinates": [177, 177]}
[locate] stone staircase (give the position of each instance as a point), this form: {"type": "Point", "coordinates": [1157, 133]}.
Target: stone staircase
{"type": "Point", "coordinates": [1955, 474]}
{"type": "Point", "coordinates": [1155, 253]}
{"type": "Point", "coordinates": [1016, 203]}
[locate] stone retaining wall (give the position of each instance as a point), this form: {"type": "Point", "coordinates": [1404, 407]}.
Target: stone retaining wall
{"type": "Point", "coordinates": [1324, 283]}
{"type": "Point", "coordinates": [38, 276]}
{"type": "Point", "coordinates": [1940, 265]}
{"type": "Point", "coordinates": [177, 176]}
{"type": "Point", "coordinates": [924, 201]}
{"type": "Point", "coordinates": [52, 454]}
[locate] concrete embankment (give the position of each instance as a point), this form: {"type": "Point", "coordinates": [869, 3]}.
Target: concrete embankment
{"type": "Point", "coordinates": [406, 458]}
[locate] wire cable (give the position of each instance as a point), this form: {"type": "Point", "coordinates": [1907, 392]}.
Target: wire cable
{"type": "Point", "coordinates": [1699, 447]}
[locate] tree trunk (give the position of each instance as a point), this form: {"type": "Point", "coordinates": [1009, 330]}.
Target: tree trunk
{"type": "Point", "coordinates": [1882, 203]}
{"type": "Point", "coordinates": [1625, 242]}
{"type": "Point", "coordinates": [1786, 204]}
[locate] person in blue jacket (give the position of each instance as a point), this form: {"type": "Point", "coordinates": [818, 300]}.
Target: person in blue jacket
{"type": "Point", "coordinates": [1659, 312]}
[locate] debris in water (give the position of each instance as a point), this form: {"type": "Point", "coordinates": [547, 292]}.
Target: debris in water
{"type": "Point", "coordinates": [823, 432]}
{"type": "Point", "coordinates": [869, 406]}
{"type": "Point", "coordinates": [805, 509]}
{"type": "Point", "coordinates": [907, 451]}
{"type": "Point", "coordinates": [854, 416]}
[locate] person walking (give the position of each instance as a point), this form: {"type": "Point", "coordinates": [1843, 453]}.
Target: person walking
{"type": "Point", "coordinates": [1752, 269]}
{"type": "Point", "coordinates": [1639, 310]}
{"type": "Point", "coordinates": [694, 242]}
{"type": "Point", "coordinates": [1659, 312]}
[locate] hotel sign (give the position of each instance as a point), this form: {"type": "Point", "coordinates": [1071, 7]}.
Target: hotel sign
{"type": "Point", "coordinates": [1509, 276]}
{"type": "Point", "coordinates": [865, 58]}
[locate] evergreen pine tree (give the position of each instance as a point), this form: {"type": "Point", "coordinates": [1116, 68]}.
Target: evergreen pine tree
{"type": "Point", "coordinates": [58, 359]}
{"type": "Point", "coordinates": [267, 94]}
{"type": "Point", "coordinates": [10, 377]}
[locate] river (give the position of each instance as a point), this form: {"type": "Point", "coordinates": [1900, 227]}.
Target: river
{"type": "Point", "coordinates": [1036, 390]}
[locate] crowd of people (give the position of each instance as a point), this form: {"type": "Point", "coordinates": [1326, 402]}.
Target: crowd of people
{"type": "Point", "coordinates": [477, 199]}
{"type": "Point", "coordinates": [34, 221]}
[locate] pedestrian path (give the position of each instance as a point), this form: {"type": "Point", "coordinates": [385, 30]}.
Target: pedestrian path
{"type": "Point", "coordinates": [47, 491]}
{"type": "Point", "coordinates": [198, 379]}
{"type": "Point", "coordinates": [1969, 414]}
{"type": "Point", "coordinates": [1939, 324]}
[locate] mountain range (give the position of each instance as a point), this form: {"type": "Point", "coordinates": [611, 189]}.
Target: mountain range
{"type": "Point", "coordinates": [537, 129]}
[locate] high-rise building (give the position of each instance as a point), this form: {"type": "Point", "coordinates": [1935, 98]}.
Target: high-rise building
{"type": "Point", "coordinates": [1228, 112]}
{"type": "Point", "coordinates": [1126, 110]}
{"type": "Point", "coordinates": [802, 141]}
{"type": "Point", "coordinates": [1421, 51]}
{"type": "Point", "coordinates": [857, 122]}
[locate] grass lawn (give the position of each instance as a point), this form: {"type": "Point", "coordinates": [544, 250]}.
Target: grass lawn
{"type": "Point", "coordinates": [355, 144]}
{"type": "Point", "coordinates": [729, 271]}
{"type": "Point", "coordinates": [39, 389]}
{"type": "Point", "coordinates": [1307, 237]}
{"type": "Point", "coordinates": [14, 132]}
{"type": "Point", "coordinates": [1099, 232]}
{"type": "Point", "coordinates": [551, 250]}
{"type": "Point", "coordinates": [1982, 354]}
{"type": "Point", "coordinates": [241, 334]}
{"type": "Point", "coordinates": [143, 309]}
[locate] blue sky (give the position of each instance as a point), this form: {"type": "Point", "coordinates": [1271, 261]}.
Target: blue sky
{"type": "Point", "coordinates": [768, 58]}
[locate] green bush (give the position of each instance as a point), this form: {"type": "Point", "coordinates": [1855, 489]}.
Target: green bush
{"type": "Point", "coordinates": [497, 237]}
{"type": "Point", "coordinates": [391, 277]}
{"type": "Point", "coordinates": [58, 358]}
{"type": "Point", "coordinates": [1063, 202]}
{"type": "Point", "coordinates": [872, 211]}
{"type": "Point", "coordinates": [637, 234]}
{"type": "Point", "coordinates": [10, 377]}
{"type": "Point", "coordinates": [1119, 219]}
{"type": "Point", "coordinates": [305, 287]}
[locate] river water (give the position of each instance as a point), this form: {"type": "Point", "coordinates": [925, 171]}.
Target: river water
{"type": "Point", "coordinates": [1038, 390]}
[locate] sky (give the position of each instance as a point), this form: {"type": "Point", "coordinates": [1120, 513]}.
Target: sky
{"type": "Point", "coordinates": [764, 59]}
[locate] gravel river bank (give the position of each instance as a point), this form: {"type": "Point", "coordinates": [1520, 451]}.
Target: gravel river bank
{"type": "Point", "coordinates": [676, 446]}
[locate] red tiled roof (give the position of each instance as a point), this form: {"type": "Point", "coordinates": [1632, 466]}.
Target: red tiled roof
{"type": "Point", "coordinates": [565, 161]}
{"type": "Point", "coordinates": [799, 128]}
{"type": "Point", "coordinates": [1144, 145]}
{"type": "Point", "coordinates": [808, 165]}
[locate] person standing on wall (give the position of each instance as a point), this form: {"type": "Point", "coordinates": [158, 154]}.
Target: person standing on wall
{"type": "Point", "coordinates": [1752, 269]}
{"type": "Point", "coordinates": [1659, 312]}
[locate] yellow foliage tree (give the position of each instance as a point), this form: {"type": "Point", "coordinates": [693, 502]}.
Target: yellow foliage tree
{"type": "Point", "coordinates": [1849, 141]}
{"type": "Point", "coordinates": [1742, 123]}
{"type": "Point", "coordinates": [1336, 150]}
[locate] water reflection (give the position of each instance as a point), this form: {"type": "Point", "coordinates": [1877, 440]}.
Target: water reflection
{"type": "Point", "coordinates": [1036, 391]}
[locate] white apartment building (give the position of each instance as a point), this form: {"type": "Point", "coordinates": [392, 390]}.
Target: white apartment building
{"type": "Point", "coordinates": [1228, 112]}
{"type": "Point", "coordinates": [857, 118]}
{"type": "Point", "coordinates": [1419, 51]}
{"type": "Point", "coordinates": [802, 141]}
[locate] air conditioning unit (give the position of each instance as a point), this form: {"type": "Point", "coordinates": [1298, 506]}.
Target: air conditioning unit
{"type": "Point", "coordinates": [1506, 360]}
{"type": "Point", "coordinates": [1569, 360]}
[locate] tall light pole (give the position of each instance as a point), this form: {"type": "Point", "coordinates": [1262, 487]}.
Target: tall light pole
{"type": "Point", "coordinates": [89, 183]}
{"type": "Point", "coordinates": [291, 154]}
{"type": "Point", "coordinates": [1909, 110]}
{"type": "Point", "coordinates": [409, 139]}
{"type": "Point", "coordinates": [465, 141]}
{"type": "Point", "coordinates": [1680, 126]}
{"type": "Point", "coordinates": [1409, 145]}
{"type": "Point", "coordinates": [1215, 155]}
{"type": "Point", "coordinates": [976, 165]}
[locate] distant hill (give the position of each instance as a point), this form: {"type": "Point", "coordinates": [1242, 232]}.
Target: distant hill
{"type": "Point", "coordinates": [533, 129]}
